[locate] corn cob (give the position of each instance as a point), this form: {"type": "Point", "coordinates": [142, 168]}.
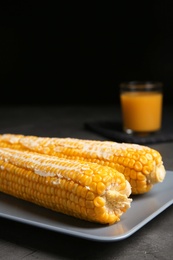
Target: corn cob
{"type": "Point", "coordinates": [142, 166]}
{"type": "Point", "coordinates": [83, 190]}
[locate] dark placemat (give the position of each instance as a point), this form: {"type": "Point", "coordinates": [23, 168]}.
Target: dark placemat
{"type": "Point", "coordinates": [113, 131]}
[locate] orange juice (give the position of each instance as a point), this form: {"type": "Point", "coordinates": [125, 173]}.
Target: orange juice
{"type": "Point", "coordinates": [141, 111]}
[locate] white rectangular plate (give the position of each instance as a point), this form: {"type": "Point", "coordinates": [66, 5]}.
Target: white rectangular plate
{"type": "Point", "coordinates": [143, 209]}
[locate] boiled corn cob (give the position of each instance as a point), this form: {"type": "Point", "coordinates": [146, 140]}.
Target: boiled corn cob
{"type": "Point", "coordinates": [83, 190]}
{"type": "Point", "coordinates": [142, 166]}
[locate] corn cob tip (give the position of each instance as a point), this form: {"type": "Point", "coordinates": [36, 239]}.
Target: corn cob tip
{"type": "Point", "coordinates": [159, 174]}
{"type": "Point", "coordinates": [118, 201]}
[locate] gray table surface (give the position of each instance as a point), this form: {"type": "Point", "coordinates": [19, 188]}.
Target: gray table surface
{"type": "Point", "coordinates": [21, 241]}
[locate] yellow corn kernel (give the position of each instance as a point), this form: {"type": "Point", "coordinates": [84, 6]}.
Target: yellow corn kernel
{"type": "Point", "coordinates": [54, 183]}
{"type": "Point", "coordinates": [129, 159]}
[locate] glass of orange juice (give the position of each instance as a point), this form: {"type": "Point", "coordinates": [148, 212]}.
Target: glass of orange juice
{"type": "Point", "coordinates": [141, 105]}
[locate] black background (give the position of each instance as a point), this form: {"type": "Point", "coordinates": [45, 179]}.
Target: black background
{"type": "Point", "coordinates": [78, 53]}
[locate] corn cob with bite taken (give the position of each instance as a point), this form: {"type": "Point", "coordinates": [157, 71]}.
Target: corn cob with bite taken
{"type": "Point", "coordinates": [142, 166]}
{"type": "Point", "coordinates": [84, 190]}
